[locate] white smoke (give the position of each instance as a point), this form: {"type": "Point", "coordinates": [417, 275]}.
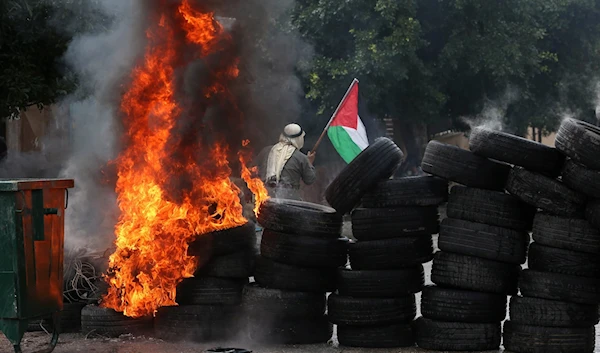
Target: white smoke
{"type": "Point", "coordinates": [494, 111]}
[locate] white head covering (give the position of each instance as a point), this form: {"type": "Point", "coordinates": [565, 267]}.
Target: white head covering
{"type": "Point", "coordinates": [290, 140]}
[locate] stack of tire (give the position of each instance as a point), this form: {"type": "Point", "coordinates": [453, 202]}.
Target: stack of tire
{"type": "Point", "coordinates": [209, 303]}
{"type": "Point", "coordinates": [561, 289]}
{"type": "Point", "coordinates": [375, 303]}
{"type": "Point", "coordinates": [300, 250]}
{"type": "Point", "coordinates": [483, 242]}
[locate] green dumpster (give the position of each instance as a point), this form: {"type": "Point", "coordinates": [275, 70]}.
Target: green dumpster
{"type": "Point", "coordinates": [31, 254]}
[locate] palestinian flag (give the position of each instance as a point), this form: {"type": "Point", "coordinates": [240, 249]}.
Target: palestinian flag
{"type": "Point", "coordinates": [346, 131]}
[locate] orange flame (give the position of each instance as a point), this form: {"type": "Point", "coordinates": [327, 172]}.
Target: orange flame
{"type": "Point", "coordinates": [155, 227]}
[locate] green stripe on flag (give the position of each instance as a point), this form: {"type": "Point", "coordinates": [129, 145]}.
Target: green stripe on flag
{"type": "Point", "coordinates": [343, 143]}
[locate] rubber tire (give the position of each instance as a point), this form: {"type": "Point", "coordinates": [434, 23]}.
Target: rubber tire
{"type": "Point", "coordinates": [489, 207]}
{"type": "Point", "coordinates": [551, 313]}
{"type": "Point", "coordinates": [472, 273]}
{"type": "Point", "coordinates": [482, 240]}
{"type": "Point", "coordinates": [370, 311]}
{"type": "Point", "coordinates": [224, 242]}
{"type": "Point", "coordinates": [391, 336]}
{"type": "Point", "coordinates": [581, 179]}
{"type": "Point", "coordinates": [265, 330]}
{"type": "Point", "coordinates": [107, 322]}
{"type": "Point", "coordinates": [198, 323]}
{"type": "Point", "coordinates": [545, 193]}
{"type": "Point", "coordinates": [238, 265]}
{"type": "Point", "coordinates": [390, 254]}
{"type": "Point", "coordinates": [580, 141]}
{"type": "Point", "coordinates": [547, 259]}
{"type": "Point", "coordinates": [536, 339]}
{"type": "Point", "coordinates": [554, 286]}
{"type": "Point", "coordinates": [210, 291]}
{"type": "Point", "coordinates": [455, 305]}
{"type": "Point", "coordinates": [375, 163]}
{"type": "Point", "coordinates": [70, 320]}
{"type": "Point", "coordinates": [386, 223]}
{"type": "Point", "coordinates": [278, 303]}
{"type": "Point", "coordinates": [592, 213]}
{"type": "Point", "coordinates": [566, 233]}
{"type": "Point", "coordinates": [304, 251]}
{"type": "Point", "coordinates": [457, 336]}
{"type": "Point", "coordinates": [271, 274]}
{"type": "Point", "coordinates": [380, 284]}
{"type": "Point", "coordinates": [464, 167]}
{"type": "Point", "coordinates": [409, 191]}
{"type": "Point", "coordinates": [516, 150]}
{"type": "Point", "coordinates": [300, 218]}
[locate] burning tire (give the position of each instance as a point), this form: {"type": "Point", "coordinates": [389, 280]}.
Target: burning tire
{"type": "Point", "coordinates": [542, 192]}
{"type": "Point", "coordinates": [411, 191]}
{"type": "Point", "coordinates": [391, 336]}
{"type": "Point", "coordinates": [464, 167]}
{"type": "Point", "coordinates": [370, 311]}
{"type": "Point", "coordinates": [300, 218]}
{"type": "Point", "coordinates": [385, 223]}
{"type": "Point", "coordinates": [560, 287]}
{"type": "Point", "coordinates": [472, 273]}
{"type": "Point", "coordinates": [376, 163]}
{"type": "Point", "coordinates": [535, 339]}
{"type": "Point", "coordinates": [224, 242]}
{"type": "Point", "coordinates": [516, 150]}
{"type": "Point", "coordinates": [107, 322]}
{"type": "Point", "coordinates": [380, 284]}
{"type": "Point", "coordinates": [195, 322]}
{"type": "Point", "coordinates": [304, 251]}
{"type": "Point", "coordinates": [210, 291]}
{"type": "Point", "coordinates": [551, 313]}
{"type": "Point", "coordinates": [581, 179]}
{"type": "Point", "coordinates": [579, 141]}
{"type": "Point", "coordinates": [489, 207]}
{"type": "Point", "coordinates": [239, 265]}
{"type": "Point", "coordinates": [276, 303]}
{"type": "Point", "coordinates": [547, 259]}
{"type": "Point", "coordinates": [566, 233]}
{"type": "Point", "coordinates": [484, 241]}
{"type": "Point", "coordinates": [276, 275]}
{"type": "Point", "coordinates": [389, 254]}
{"type": "Point", "coordinates": [457, 336]}
{"type": "Point", "coordinates": [455, 305]}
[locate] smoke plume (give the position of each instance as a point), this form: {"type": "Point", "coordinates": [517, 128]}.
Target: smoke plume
{"type": "Point", "coordinates": [494, 111]}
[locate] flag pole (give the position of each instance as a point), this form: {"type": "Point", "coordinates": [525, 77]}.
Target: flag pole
{"type": "Point", "coordinates": [333, 116]}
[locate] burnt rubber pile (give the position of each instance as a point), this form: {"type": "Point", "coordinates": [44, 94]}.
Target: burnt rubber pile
{"type": "Point", "coordinates": [300, 250]}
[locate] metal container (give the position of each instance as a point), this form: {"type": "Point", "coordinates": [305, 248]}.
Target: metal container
{"type": "Point", "coordinates": [31, 254]}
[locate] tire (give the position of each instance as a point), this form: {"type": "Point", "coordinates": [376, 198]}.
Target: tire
{"type": "Point", "coordinates": [454, 305]}
{"type": "Point", "coordinates": [195, 322]}
{"type": "Point", "coordinates": [543, 192]}
{"type": "Point", "coordinates": [271, 274]}
{"type": "Point", "coordinates": [380, 284]}
{"type": "Point", "coordinates": [210, 291]}
{"type": "Point", "coordinates": [581, 179]}
{"type": "Point", "coordinates": [560, 287]}
{"type": "Point", "coordinates": [265, 330]}
{"type": "Point", "coordinates": [481, 240]}
{"type": "Point", "coordinates": [566, 233]}
{"type": "Point", "coordinates": [107, 322]}
{"type": "Point", "coordinates": [224, 242]}
{"type": "Point", "coordinates": [462, 166]}
{"type": "Point", "coordinates": [238, 265]}
{"type": "Point", "coordinates": [457, 336]}
{"type": "Point", "coordinates": [390, 254]}
{"type": "Point", "coordinates": [70, 320]}
{"type": "Point", "coordinates": [386, 223]}
{"type": "Point", "coordinates": [300, 218]}
{"type": "Point", "coordinates": [551, 313]}
{"type": "Point", "coordinates": [374, 164]}
{"type": "Point", "coordinates": [370, 311]}
{"type": "Point", "coordinates": [535, 339]}
{"type": "Point", "coordinates": [282, 304]}
{"type": "Point", "coordinates": [546, 259]}
{"type": "Point", "coordinates": [516, 150]}
{"type": "Point", "coordinates": [391, 336]}
{"type": "Point", "coordinates": [592, 213]}
{"type": "Point", "coordinates": [579, 141]}
{"type": "Point", "coordinates": [472, 273]}
{"type": "Point", "coordinates": [304, 251]}
{"type": "Point", "coordinates": [409, 191]}
{"type": "Point", "coordinates": [489, 207]}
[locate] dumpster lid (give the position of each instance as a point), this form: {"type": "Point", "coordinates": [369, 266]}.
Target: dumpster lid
{"type": "Point", "coordinates": [29, 184]}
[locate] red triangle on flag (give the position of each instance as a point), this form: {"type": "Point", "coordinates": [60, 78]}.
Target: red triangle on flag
{"type": "Point", "coordinates": [347, 115]}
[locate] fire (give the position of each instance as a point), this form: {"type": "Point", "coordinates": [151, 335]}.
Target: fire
{"type": "Point", "coordinates": [167, 194]}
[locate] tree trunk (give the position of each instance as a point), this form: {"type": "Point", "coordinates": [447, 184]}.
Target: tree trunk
{"type": "Point", "coordinates": [540, 135]}
{"type": "Point", "coordinates": [412, 138]}
{"type": "Point", "coordinates": [533, 134]}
